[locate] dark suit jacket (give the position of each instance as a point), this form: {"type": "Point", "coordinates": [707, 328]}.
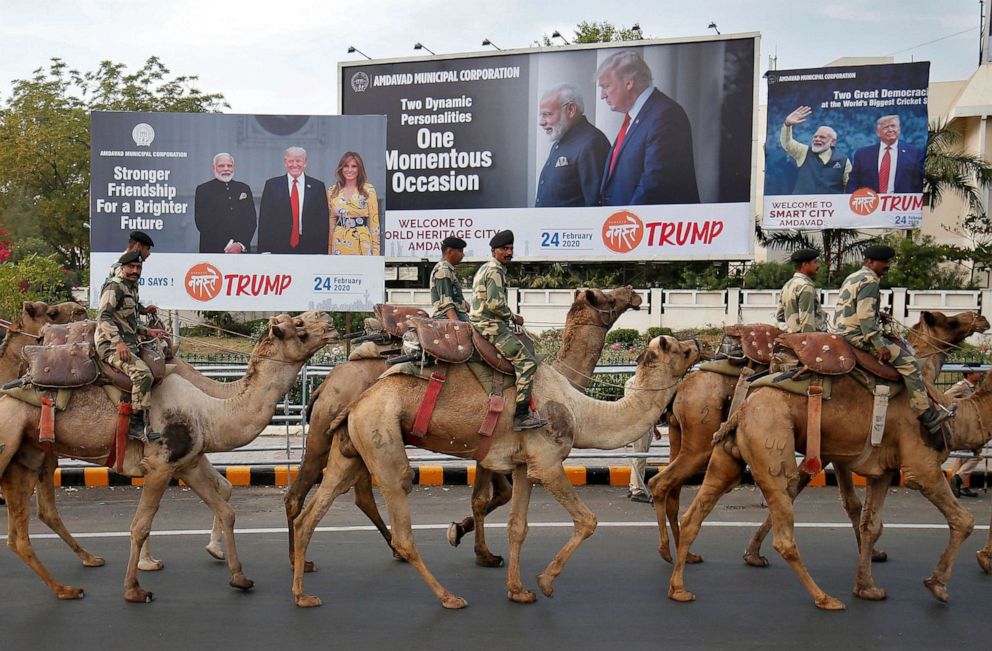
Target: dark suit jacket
{"type": "Point", "coordinates": [275, 219]}
{"type": "Point", "coordinates": [224, 212]}
{"type": "Point", "coordinates": [909, 169]}
{"type": "Point", "coordinates": [574, 169]}
{"type": "Point", "coordinates": [655, 164]}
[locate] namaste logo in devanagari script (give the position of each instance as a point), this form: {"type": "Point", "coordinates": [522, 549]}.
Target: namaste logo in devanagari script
{"type": "Point", "coordinates": [622, 231]}
{"type": "Point", "coordinates": [203, 281]}
{"type": "Point", "coordinates": [864, 201]}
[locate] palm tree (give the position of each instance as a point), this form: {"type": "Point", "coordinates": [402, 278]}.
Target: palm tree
{"type": "Point", "coordinates": [949, 170]}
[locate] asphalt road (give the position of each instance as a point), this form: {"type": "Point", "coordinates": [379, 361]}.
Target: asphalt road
{"type": "Point", "coordinates": [611, 595]}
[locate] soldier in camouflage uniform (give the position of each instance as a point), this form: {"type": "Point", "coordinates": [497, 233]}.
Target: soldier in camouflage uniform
{"type": "Point", "coordinates": [490, 316]}
{"type": "Point", "coordinates": [117, 333]}
{"type": "Point", "coordinates": [137, 241]}
{"type": "Point", "coordinates": [446, 292]}
{"type": "Point", "coordinates": [857, 319]}
{"type": "Point", "coordinates": [799, 308]}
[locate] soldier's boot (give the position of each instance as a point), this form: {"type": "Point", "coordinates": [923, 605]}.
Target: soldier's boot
{"type": "Point", "coordinates": [524, 418]}
{"type": "Point", "coordinates": [139, 430]}
{"type": "Point", "coordinates": [932, 419]}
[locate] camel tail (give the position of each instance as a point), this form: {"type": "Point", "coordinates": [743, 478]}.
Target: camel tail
{"type": "Point", "coordinates": [339, 419]}
{"type": "Point", "coordinates": [727, 428]}
{"type": "Point", "coordinates": [313, 400]}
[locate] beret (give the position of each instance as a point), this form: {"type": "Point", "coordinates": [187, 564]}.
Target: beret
{"type": "Point", "coordinates": [141, 237]}
{"type": "Point", "coordinates": [502, 238]}
{"type": "Point", "coordinates": [129, 257]}
{"type": "Point", "coordinates": [804, 255]}
{"type": "Point", "coordinates": [879, 252]}
{"type": "Point", "coordinates": [452, 242]}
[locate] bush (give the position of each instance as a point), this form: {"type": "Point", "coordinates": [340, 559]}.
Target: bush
{"type": "Point", "coordinates": [627, 336]}
{"type": "Point", "coordinates": [658, 331]}
{"type": "Point", "coordinates": [32, 279]}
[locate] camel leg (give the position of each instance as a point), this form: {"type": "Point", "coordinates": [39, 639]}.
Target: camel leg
{"type": "Point", "coordinates": [984, 555]}
{"type": "Point", "coordinates": [342, 472]}
{"type": "Point", "coordinates": [961, 523]}
{"type": "Point", "coordinates": [516, 533]}
{"type": "Point", "coordinates": [482, 505]}
{"type": "Point", "coordinates": [216, 545]}
{"type": "Point", "coordinates": [723, 473]}
{"type": "Point", "coordinates": [49, 514]}
{"type": "Point", "coordinates": [18, 483]}
{"type": "Point", "coordinates": [556, 481]}
{"type": "Point", "coordinates": [852, 505]}
{"type": "Point", "coordinates": [314, 461]}
{"type": "Point", "coordinates": [202, 478]}
{"type": "Point", "coordinates": [665, 489]}
{"type": "Point", "coordinates": [868, 530]}
{"type": "Point", "coordinates": [156, 481]}
{"type": "Point", "coordinates": [752, 554]}
{"type": "Point", "coordinates": [365, 500]}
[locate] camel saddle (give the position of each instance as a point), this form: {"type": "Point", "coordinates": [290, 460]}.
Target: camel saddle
{"type": "Point", "coordinates": [826, 353]}
{"type": "Point", "coordinates": [395, 319]}
{"type": "Point", "coordinates": [456, 341]}
{"type": "Point", "coordinates": [150, 352]}
{"type": "Point", "coordinates": [757, 340]}
{"type": "Point", "coordinates": [61, 366]}
{"type": "Point", "coordinates": [77, 332]}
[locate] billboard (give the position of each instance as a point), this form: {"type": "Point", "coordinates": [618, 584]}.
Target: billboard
{"type": "Point", "coordinates": [247, 212]}
{"type": "Point", "coordinates": [845, 147]}
{"type": "Point", "coordinates": [540, 142]}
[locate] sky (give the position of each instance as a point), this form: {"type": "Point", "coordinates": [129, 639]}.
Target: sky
{"type": "Point", "coordinates": [271, 57]}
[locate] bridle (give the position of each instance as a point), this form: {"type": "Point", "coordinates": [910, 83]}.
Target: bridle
{"type": "Point", "coordinates": [14, 331]}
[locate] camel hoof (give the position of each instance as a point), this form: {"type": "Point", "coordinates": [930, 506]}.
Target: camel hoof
{"type": "Point", "coordinates": [826, 602]}
{"type": "Point", "coordinates": [308, 601]}
{"type": "Point", "coordinates": [242, 582]}
{"type": "Point", "coordinates": [138, 596]}
{"type": "Point", "coordinates": [547, 584]}
{"type": "Point", "coordinates": [521, 596]}
{"type": "Point", "coordinates": [454, 603]}
{"type": "Point", "coordinates": [309, 566]}
{"type": "Point", "coordinates": [984, 560]}
{"type": "Point", "coordinates": [680, 594]}
{"type": "Point", "coordinates": [150, 565]}
{"type": "Point", "coordinates": [937, 589]}
{"type": "Point", "coordinates": [873, 593]}
{"type": "Point", "coordinates": [755, 560]}
{"type": "Point", "coordinates": [693, 559]}
{"type": "Point", "coordinates": [665, 553]}
{"type": "Point", "coordinates": [488, 560]}
{"type": "Point", "coordinates": [878, 556]}
{"type": "Point", "coordinates": [398, 557]}
{"type": "Point", "coordinates": [454, 534]}
{"type": "Point", "coordinates": [67, 592]}
{"type": "Point", "coordinates": [93, 561]}
{"type": "Point", "coordinates": [215, 550]}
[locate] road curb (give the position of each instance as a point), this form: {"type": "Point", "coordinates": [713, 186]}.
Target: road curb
{"type": "Point", "coordinates": [431, 475]}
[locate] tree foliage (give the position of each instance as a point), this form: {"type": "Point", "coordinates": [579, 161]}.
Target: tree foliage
{"type": "Point", "coordinates": [604, 32]}
{"type": "Point", "coordinates": [45, 143]}
{"type": "Point", "coordinates": [32, 279]}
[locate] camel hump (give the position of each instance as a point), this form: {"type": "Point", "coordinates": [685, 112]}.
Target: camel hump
{"type": "Point", "coordinates": [395, 319]}
{"type": "Point", "coordinates": [822, 352]}
{"type": "Point", "coordinates": [757, 340]}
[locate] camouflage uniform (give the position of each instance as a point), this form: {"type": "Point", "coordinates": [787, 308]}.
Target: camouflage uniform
{"type": "Point", "coordinates": [856, 318]}
{"type": "Point", "coordinates": [799, 308]}
{"type": "Point", "coordinates": [446, 292]}
{"type": "Point", "coordinates": [118, 321]}
{"type": "Point", "coordinates": [489, 316]}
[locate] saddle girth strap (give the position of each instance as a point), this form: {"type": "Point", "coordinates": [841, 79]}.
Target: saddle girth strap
{"type": "Point", "coordinates": [115, 459]}
{"type": "Point", "coordinates": [814, 409]}
{"type": "Point", "coordinates": [488, 427]}
{"type": "Point", "coordinates": [46, 423]}
{"type": "Point", "coordinates": [426, 410]}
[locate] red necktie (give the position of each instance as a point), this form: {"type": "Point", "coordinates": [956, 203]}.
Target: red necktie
{"type": "Point", "coordinates": [616, 145]}
{"type": "Point", "coordinates": [883, 170]}
{"type": "Point", "coordinates": [294, 202]}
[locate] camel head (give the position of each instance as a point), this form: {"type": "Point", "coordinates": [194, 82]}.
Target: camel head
{"type": "Point", "coordinates": [938, 327]}
{"type": "Point", "coordinates": [36, 314]}
{"type": "Point", "coordinates": [299, 337]}
{"type": "Point", "coordinates": [602, 307]}
{"type": "Point", "coordinates": [664, 351]}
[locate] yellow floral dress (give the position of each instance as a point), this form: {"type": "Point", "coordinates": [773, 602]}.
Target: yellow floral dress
{"type": "Point", "coordinates": [354, 222]}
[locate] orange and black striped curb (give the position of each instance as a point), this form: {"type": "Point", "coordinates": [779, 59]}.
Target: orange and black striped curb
{"type": "Point", "coordinates": [428, 475]}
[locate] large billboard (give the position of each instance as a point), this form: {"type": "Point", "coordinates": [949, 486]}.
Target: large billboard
{"type": "Point", "coordinates": [633, 151]}
{"type": "Point", "coordinates": [845, 147]}
{"type": "Point", "coordinates": [247, 212]}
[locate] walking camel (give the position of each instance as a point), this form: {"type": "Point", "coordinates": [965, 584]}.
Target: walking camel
{"type": "Point", "coordinates": [191, 423]}
{"type": "Point", "coordinates": [700, 406]}
{"type": "Point", "coordinates": [771, 426]}
{"type": "Point", "coordinates": [378, 420]}
{"type": "Point", "coordinates": [592, 314]}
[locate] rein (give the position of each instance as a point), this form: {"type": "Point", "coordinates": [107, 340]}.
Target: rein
{"type": "Point", "coordinates": [10, 328]}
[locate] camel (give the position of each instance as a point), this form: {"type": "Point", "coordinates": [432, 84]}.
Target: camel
{"type": "Point", "coordinates": [701, 405]}
{"type": "Point", "coordinates": [381, 416]}
{"type": "Point", "coordinates": [192, 424]}
{"type": "Point", "coordinates": [771, 426]}
{"type": "Point", "coordinates": [592, 314]}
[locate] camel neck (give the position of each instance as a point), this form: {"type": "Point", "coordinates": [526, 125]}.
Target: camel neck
{"type": "Point", "coordinates": [582, 345]}
{"type": "Point", "coordinates": [970, 429]}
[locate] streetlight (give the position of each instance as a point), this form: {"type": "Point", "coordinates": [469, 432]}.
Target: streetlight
{"type": "Point", "coordinates": [420, 46]}
{"type": "Point", "coordinates": [713, 27]}
{"type": "Point", "coordinates": [557, 34]}
{"type": "Point", "coordinates": [486, 42]}
{"type": "Point", "coordinates": [352, 49]}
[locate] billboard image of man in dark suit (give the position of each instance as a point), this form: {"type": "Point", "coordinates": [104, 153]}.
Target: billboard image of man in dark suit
{"type": "Point", "coordinates": [293, 216]}
{"type": "Point", "coordinates": [224, 210]}
{"type": "Point", "coordinates": [651, 161]}
{"type": "Point", "coordinates": [889, 166]}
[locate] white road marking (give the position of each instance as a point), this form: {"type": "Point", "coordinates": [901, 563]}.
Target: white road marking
{"type": "Point", "coordinates": [495, 525]}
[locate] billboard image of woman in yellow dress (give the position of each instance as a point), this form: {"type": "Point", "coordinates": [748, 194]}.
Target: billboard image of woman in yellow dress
{"type": "Point", "coordinates": [354, 210]}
